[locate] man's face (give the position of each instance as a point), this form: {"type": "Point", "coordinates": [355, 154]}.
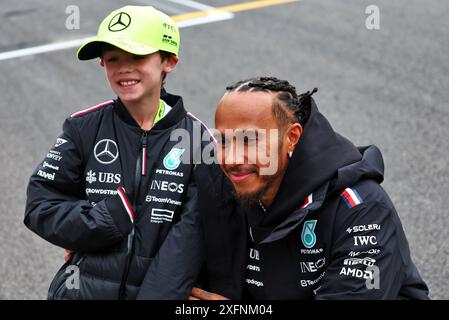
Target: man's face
{"type": "Point", "coordinates": [135, 78]}
{"type": "Point", "coordinates": [251, 149]}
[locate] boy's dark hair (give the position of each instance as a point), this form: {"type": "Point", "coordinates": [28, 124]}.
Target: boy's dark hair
{"type": "Point", "coordinates": [165, 56]}
{"type": "Point", "coordinates": [290, 107]}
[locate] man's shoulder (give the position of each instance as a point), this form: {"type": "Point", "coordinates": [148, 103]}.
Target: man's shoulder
{"type": "Point", "coordinates": [365, 203]}
{"type": "Point", "coordinates": [367, 192]}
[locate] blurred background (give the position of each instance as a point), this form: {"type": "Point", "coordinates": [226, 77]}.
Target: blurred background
{"type": "Point", "coordinates": [381, 81]}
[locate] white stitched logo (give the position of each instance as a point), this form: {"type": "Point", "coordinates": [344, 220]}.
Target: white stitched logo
{"type": "Point", "coordinates": [161, 215]}
{"type": "Point", "coordinates": [106, 151]}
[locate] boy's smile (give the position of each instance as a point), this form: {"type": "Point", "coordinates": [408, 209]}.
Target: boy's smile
{"type": "Point", "coordinates": [125, 83]}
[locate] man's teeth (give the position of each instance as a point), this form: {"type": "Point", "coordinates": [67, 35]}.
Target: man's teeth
{"type": "Point", "coordinates": [128, 83]}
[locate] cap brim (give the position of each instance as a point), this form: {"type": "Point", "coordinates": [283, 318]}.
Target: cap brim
{"type": "Point", "coordinates": [92, 49]}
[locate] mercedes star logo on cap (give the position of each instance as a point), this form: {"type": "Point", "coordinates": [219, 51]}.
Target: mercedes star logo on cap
{"type": "Point", "coordinates": [106, 151]}
{"type": "Point", "coordinates": [119, 22]}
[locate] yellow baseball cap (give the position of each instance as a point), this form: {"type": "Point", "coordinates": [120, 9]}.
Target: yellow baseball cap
{"type": "Point", "coordinates": [139, 30]}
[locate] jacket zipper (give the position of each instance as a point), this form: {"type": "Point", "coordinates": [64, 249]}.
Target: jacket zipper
{"type": "Point", "coordinates": [144, 153]}
{"type": "Point", "coordinates": [140, 171]}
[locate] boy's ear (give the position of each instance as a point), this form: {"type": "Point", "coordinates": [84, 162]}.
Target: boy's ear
{"type": "Point", "coordinates": [101, 62]}
{"type": "Point", "coordinates": [170, 63]}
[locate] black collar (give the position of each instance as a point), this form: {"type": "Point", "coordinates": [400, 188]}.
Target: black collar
{"type": "Point", "coordinates": [176, 114]}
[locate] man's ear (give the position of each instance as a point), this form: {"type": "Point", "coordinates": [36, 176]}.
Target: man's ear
{"type": "Point", "coordinates": [293, 135]}
{"type": "Point", "coordinates": [101, 62]}
{"type": "Point", "coordinates": [170, 63]}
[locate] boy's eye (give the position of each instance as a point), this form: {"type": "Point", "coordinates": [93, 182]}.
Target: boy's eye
{"type": "Point", "coordinates": [136, 57]}
{"type": "Point", "coordinates": [111, 59]}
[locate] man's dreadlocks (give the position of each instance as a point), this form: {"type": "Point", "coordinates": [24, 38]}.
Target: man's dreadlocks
{"type": "Point", "coordinates": [291, 108]}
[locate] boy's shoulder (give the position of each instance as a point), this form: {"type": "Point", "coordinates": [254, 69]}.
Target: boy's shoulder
{"type": "Point", "coordinates": [203, 126]}
{"type": "Point", "coordinates": [89, 118]}
{"type": "Point", "coordinates": [92, 111]}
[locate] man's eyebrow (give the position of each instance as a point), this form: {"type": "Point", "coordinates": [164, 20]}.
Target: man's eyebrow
{"type": "Point", "coordinates": [257, 133]}
{"type": "Point", "coordinates": [218, 135]}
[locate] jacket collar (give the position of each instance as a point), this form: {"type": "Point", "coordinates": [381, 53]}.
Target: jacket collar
{"type": "Point", "coordinates": [313, 202]}
{"type": "Point", "coordinates": [176, 114]}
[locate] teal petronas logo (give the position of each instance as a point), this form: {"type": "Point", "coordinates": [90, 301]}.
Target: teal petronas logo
{"type": "Point", "coordinates": [308, 236]}
{"type": "Point", "coordinates": [173, 159]}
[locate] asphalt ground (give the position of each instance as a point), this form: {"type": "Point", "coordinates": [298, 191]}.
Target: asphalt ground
{"type": "Point", "coordinates": [387, 87]}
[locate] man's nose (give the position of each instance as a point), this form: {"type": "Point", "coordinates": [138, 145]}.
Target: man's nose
{"type": "Point", "coordinates": [235, 154]}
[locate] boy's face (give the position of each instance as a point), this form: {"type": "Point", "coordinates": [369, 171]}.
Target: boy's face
{"type": "Point", "coordinates": [135, 78]}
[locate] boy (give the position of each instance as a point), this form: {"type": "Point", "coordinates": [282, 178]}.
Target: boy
{"type": "Point", "coordinates": [113, 189]}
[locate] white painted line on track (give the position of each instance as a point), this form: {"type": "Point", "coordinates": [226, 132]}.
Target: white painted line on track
{"type": "Point", "coordinates": [192, 4]}
{"type": "Point", "coordinates": [213, 17]}
{"type": "Point", "coordinates": [206, 15]}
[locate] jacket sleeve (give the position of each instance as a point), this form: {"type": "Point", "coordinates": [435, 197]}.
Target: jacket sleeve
{"type": "Point", "coordinates": [57, 209]}
{"type": "Point", "coordinates": [370, 257]}
{"type": "Point", "coordinates": [176, 266]}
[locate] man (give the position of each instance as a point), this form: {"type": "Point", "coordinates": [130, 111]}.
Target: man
{"type": "Point", "coordinates": [312, 222]}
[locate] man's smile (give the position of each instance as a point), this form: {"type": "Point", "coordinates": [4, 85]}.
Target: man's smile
{"type": "Point", "coordinates": [239, 175]}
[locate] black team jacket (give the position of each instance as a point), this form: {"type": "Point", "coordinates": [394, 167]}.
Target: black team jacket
{"type": "Point", "coordinates": [125, 201]}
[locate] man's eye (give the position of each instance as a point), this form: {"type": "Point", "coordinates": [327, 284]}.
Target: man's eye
{"type": "Point", "coordinates": [224, 143]}
{"type": "Point", "coordinates": [249, 140]}
{"type": "Point", "coordinates": [111, 59]}
{"type": "Point", "coordinates": [136, 57]}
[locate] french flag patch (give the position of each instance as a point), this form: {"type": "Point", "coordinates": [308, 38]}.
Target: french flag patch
{"type": "Point", "coordinates": [308, 201]}
{"type": "Point", "coordinates": [351, 197]}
